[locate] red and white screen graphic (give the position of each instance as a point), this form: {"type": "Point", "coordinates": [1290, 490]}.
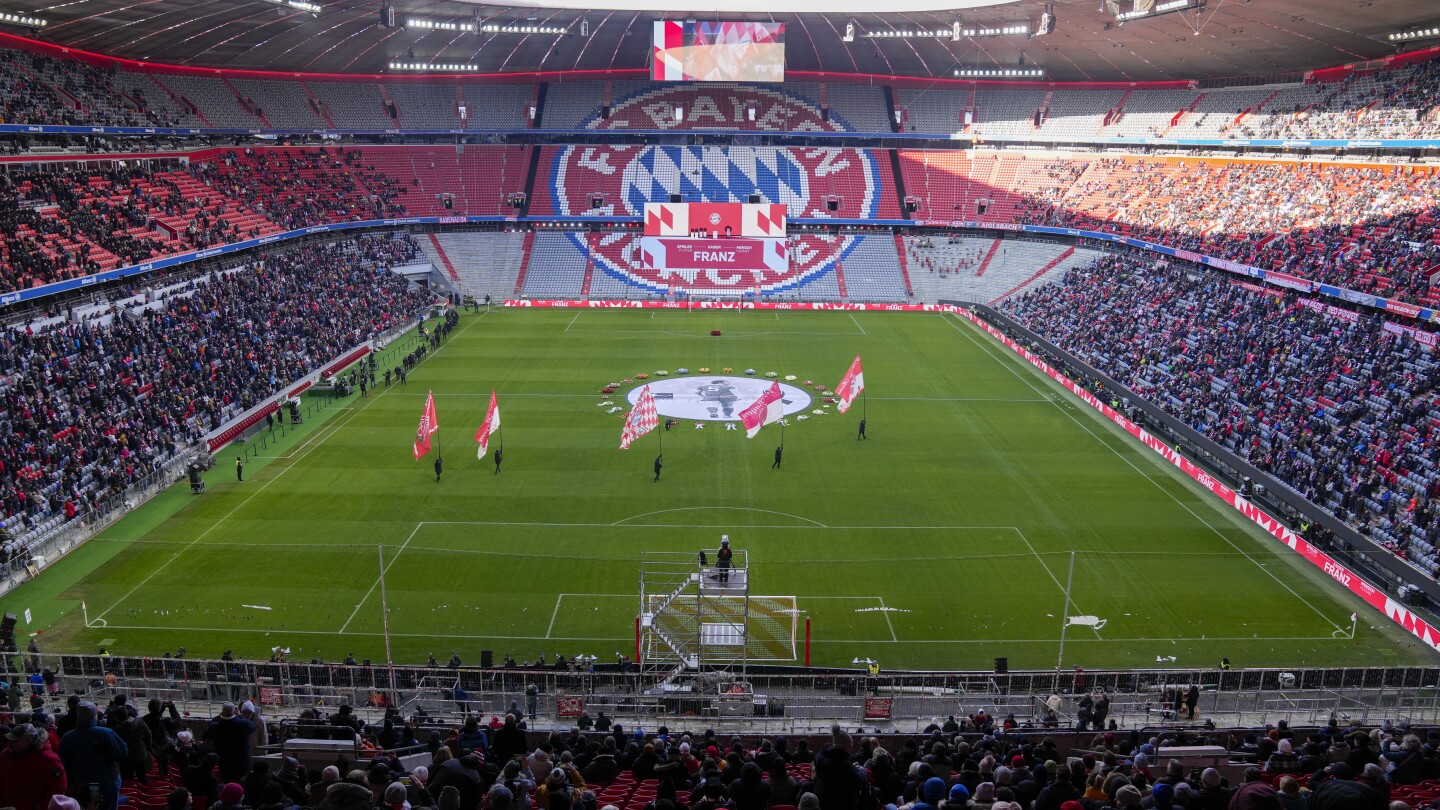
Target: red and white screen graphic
{"type": "Point", "coordinates": [753, 220]}
{"type": "Point", "coordinates": [723, 263]}
{"type": "Point", "coordinates": [718, 52]}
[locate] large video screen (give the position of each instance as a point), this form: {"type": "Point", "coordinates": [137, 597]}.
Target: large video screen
{"type": "Point", "coordinates": [718, 52]}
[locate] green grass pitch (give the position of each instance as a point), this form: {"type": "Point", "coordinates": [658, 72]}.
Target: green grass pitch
{"type": "Point", "coordinates": [957, 515]}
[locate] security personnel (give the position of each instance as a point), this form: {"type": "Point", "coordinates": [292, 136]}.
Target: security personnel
{"type": "Point", "coordinates": [239, 469]}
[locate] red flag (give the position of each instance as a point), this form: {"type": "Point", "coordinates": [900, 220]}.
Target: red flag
{"type": "Point", "coordinates": [429, 423]}
{"type": "Point", "coordinates": [642, 419]}
{"type": "Point", "coordinates": [850, 386]}
{"type": "Point", "coordinates": [763, 411]}
{"type": "Point", "coordinates": [489, 426]}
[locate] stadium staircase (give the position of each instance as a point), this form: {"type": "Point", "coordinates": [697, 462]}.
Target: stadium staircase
{"type": "Point", "coordinates": [444, 259]}
{"type": "Point", "coordinates": [985, 262]}
{"type": "Point", "coordinates": [1047, 270]}
{"type": "Point", "coordinates": [904, 265]}
{"type": "Point", "coordinates": [318, 107]}
{"type": "Point", "coordinates": [526, 252]}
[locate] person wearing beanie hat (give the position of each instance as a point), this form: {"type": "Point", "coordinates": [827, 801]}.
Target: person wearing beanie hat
{"type": "Point", "coordinates": [1072, 805]}
{"type": "Point", "coordinates": [808, 801]}
{"type": "Point", "coordinates": [62, 802]}
{"type": "Point", "coordinates": [1162, 796]}
{"type": "Point", "coordinates": [30, 772]}
{"type": "Point", "coordinates": [92, 755]}
{"type": "Point", "coordinates": [232, 795]}
{"type": "Point", "coordinates": [931, 794]}
{"type": "Point", "coordinates": [1128, 796]}
{"type": "Point", "coordinates": [957, 799]}
{"type": "Point", "coordinates": [395, 797]}
{"type": "Point", "coordinates": [839, 738]}
{"type": "Point", "coordinates": [984, 796]}
{"type": "Point", "coordinates": [1003, 775]}
{"type": "Point", "coordinates": [1058, 791]}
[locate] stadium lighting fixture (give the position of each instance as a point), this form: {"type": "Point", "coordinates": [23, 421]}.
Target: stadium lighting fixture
{"type": "Point", "coordinates": [999, 73]}
{"type": "Point", "coordinates": [20, 19]}
{"type": "Point", "coordinates": [1409, 36]}
{"type": "Point", "coordinates": [948, 33]}
{"type": "Point", "coordinates": [298, 5]}
{"type": "Point", "coordinates": [433, 66]}
{"type": "Point", "coordinates": [471, 27]}
{"type": "Point", "coordinates": [524, 29]}
{"type": "Point", "coordinates": [437, 25]}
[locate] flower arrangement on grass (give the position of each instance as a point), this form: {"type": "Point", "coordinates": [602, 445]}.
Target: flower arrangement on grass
{"type": "Point", "coordinates": [749, 372]}
{"type": "Point", "coordinates": [682, 370]}
{"type": "Point", "coordinates": [802, 416]}
{"type": "Point", "coordinates": [789, 378]}
{"type": "Point", "coordinates": [607, 390]}
{"type": "Point", "coordinates": [662, 373]}
{"type": "Point", "coordinates": [727, 370]}
{"type": "Point", "coordinates": [772, 375]}
{"type": "Point", "coordinates": [641, 377]}
{"type": "Point", "coordinates": [704, 369]}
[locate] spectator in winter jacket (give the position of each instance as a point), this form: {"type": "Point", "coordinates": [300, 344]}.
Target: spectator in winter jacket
{"type": "Point", "coordinates": [230, 735]}
{"type": "Point", "coordinates": [30, 773]}
{"type": "Point", "coordinates": [92, 755]}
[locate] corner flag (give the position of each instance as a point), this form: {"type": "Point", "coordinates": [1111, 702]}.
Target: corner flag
{"type": "Point", "coordinates": [429, 423]}
{"type": "Point", "coordinates": [764, 411]}
{"type": "Point", "coordinates": [642, 419]}
{"type": "Point", "coordinates": [489, 426]}
{"type": "Point", "coordinates": [850, 386]}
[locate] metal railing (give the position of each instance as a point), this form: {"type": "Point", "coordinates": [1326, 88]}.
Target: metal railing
{"type": "Point", "coordinates": [790, 700]}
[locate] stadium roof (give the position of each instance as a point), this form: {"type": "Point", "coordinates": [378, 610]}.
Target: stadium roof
{"type": "Point", "coordinates": [1227, 38]}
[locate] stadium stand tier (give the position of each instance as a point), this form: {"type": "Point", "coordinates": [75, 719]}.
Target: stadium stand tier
{"type": "Point", "coordinates": [1338, 406]}
{"type": "Point", "coordinates": [100, 401]}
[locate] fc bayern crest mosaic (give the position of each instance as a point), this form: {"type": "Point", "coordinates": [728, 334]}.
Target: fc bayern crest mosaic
{"type": "Point", "coordinates": [802, 179]}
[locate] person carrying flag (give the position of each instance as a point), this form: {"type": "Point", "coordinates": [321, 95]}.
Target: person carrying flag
{"type": "Point", "coordinates": [862, 429]}
{"type": "Point", "coordinates": [499, 457]}
{"type": "Point", "coordinates": [658, 465]}
{"type": "Point", "coordinates": [439, 466]}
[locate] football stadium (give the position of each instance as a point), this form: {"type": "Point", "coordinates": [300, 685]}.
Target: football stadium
{"type": "Point", "coordinates": [993, 404]}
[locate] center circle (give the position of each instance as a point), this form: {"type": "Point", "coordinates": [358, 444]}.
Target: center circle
{"type": "Point", "coordinates": [716, 399]}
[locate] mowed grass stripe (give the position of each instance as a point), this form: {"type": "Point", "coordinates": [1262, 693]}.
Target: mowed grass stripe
{"type": "Point", "coordinates": [958, 440]}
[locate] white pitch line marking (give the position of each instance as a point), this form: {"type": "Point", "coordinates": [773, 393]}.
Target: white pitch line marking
{"type": "Point", "coordinates": [857, 324]}
{"type": "Point", "coordinates": [376, 583]}
{"type": "Point", "coordinates": [886, 613]}
{"type": "Point", "coordinates": [333, 426]}
{"type": "Point", "coordinates": [1010, 367]}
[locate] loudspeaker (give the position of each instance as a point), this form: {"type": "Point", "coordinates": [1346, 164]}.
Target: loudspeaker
{"type": "Point", "coordinates": [674, 198]}
{"type": "Point", "coordinates": [487, 659]}
{"type": "Point", "coordinates": [1002, 665]}
{"type": "Point", "coordinates": [754, 198]}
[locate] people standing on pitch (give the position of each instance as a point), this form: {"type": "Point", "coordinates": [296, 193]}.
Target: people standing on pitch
{"type": "Point", "coordinates": [722, 558]}
{"type": "Point", "coordinates": [778, 451]}
{"type": "Point", "coordinates": [499, 457]}
{"type": "Point", "coordinates": [239, 469]}
{"type": "Point", "coordinates": [658, 465]}
{"type": "Point", "coordinates": [862, 429]}
{"type": "Point", "coordinates": [439, 467]}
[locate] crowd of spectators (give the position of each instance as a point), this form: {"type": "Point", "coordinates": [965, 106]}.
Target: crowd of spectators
{"type": "Point", "coordinates": [1397, 103]}
{"type": "Point", "coordinates": [58, 224]}
{"type": "Point", "coordinates": [158, 759]}
{"type": "Point", "coordinates": [1369, 229]}
{"type": "Point", "coordinates": [94, 404]}
{"type": "Point", "coordinates": [1344, 412]}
